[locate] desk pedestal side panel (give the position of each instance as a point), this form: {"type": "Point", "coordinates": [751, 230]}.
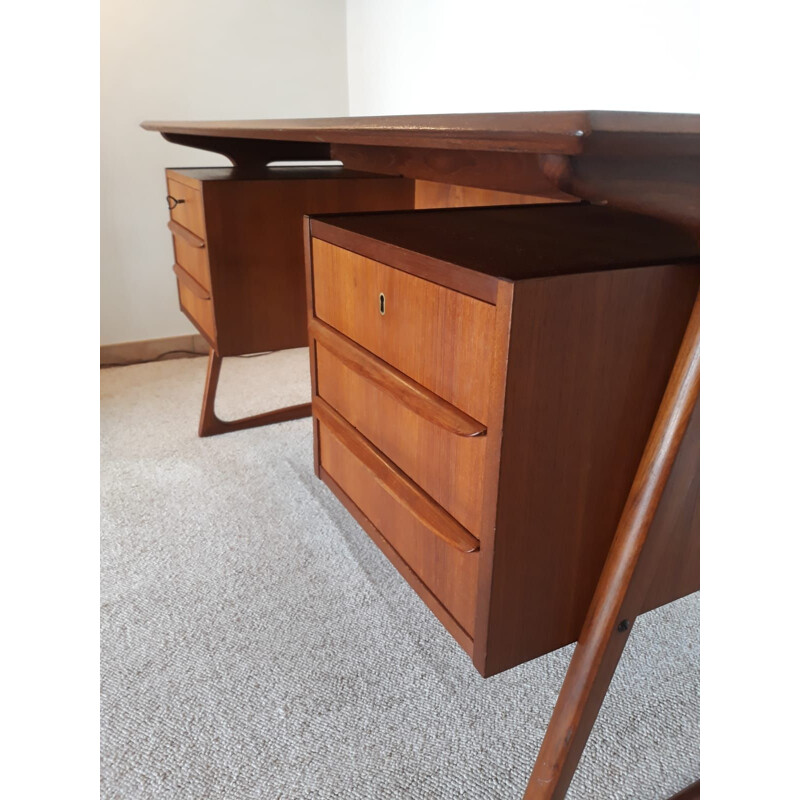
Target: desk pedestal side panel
{"type": "Point", "coordinates": [676, 526]}
{"type": "Point", "coordinates": [589, 359]}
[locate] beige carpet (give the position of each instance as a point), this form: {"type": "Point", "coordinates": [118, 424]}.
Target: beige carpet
{"type": "Point", "coordinates": [257, 645]}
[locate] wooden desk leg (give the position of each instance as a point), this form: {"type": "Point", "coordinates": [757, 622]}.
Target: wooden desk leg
{"type": "Point", "coordinates": [623, 584]}
{"type": "Point", "coordinates": [211, 424]}
{"type": "Point", "coordinates": [689, 793]}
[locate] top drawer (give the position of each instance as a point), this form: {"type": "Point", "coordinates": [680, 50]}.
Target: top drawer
{"type": "Point", "coordinates": [189, 208]}
{"type": "Point", "coordinates": [439, 337]}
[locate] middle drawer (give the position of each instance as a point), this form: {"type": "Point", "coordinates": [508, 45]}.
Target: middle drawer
{"type": "Point", "coordinates": [191, 253]}
{"type": "Point", "coordinates": [439, 447]}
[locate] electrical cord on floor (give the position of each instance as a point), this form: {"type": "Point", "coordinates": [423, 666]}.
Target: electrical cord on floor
{"type": "Point", "coordinates": [178, 352]}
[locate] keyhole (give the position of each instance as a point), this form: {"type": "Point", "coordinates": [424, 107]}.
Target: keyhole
{"type": "Point", "coordinates": [382, 303]}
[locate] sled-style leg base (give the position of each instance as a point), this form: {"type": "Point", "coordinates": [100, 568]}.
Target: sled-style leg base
{"type": "Point", "coordinates": [211, 424]}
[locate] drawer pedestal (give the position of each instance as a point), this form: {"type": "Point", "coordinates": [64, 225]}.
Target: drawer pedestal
{"type": "Point", "coordinates": [238, 243]}
{"type": "Point", "coordinates": [484, 382]}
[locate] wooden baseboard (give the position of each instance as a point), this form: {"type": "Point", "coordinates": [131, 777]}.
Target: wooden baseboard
{"type": "Point", "coordinates": [149, 349]}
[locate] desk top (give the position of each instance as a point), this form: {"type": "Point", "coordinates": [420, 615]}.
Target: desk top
{"type": "Point", "coordinates": [644, 162]}
{"type": "Point", "coordinates": [558, 132]}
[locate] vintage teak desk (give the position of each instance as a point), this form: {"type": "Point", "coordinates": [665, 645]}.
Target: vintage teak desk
{"type": "Point", "coordinates": [564, 384]}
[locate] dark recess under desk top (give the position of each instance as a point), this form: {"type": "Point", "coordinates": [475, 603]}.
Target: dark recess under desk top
{"type": "Point", "coordinates": [518, 242]}
{"type": "Point", "coordinates": [267, 173]}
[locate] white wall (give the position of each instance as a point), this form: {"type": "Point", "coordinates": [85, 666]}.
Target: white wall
{"type": "Point", "coordinates": [427, 56]}
{"type": "Point", "coordinates": [193, 59]}
{"type": "Point", "coordinates": [238, 59]}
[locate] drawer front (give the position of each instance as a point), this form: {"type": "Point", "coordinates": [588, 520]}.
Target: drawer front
{"type": "Point", "coordinates": [189, 213]}
{"type": "Point", "coordinates": [199, 309]}
{"type": "Point", "coordinates": [440, 338]}
{"type": "Point", "coordinates": [448, 466]}
{"type": "Point", "coordinates": [450, 574]}
{"type": "Point", "coordinates": [193, 259]}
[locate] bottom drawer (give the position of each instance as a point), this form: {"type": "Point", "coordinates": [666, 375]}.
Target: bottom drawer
{"type": "Point", "coordinates": [450, 574]}
{"type": "Point", "coordinates": [196, 304]}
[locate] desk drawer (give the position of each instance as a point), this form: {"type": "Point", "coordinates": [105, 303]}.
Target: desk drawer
{"type": "Point", "coordinates": [436, 445]}
{"type": "Point", "coordinates": [411, 523]}
{"type": "Point", "coordinates": [196, 303]}
{"type": "Point", "coordinates": [191, 253]}
{"type": "Point", "coordinates": [188, 212]}
{"type": "Point", "coordinates": [440, 338]}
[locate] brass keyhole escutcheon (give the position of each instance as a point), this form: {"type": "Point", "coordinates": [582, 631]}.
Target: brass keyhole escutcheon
{"type": "Point", "coordinates": [382, 302]}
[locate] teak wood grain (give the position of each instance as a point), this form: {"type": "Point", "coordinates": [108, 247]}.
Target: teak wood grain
{"type": "Point", "coordinates": [396, 483]}
{"type": "Point", "coordinates": [493, 170]}
{"type": "Point", "coordinates": [568, 132]}
{"type": "Point", "coordinates": [589, 356]}
{"type": "Point", "coordinates": [572, 366]}
{"type": "Point", "coordinates": [238, 243]}
{"type": "Point", "coordinates": [421, 330]}
{"type": "Point", "coordinates": [195, 287]}
{"type": "Point", "coordinates": [186, 206]}
{"type": "Point", "coordinates": [185, 234]}
{"type": "Point", "coordinates": [424, 403]}
{"type": "Point", "coordinates": [403, 517]}
{"type": "Point", "coordinates": [677, 520]}
{"type": "Point", "coordinates": [237, 233]}
{"type": "Point", "coordinates": [470, 282]}
{"type": "Point", "coordinates": [190, 257]}
{"type": "Point", "coordinates": [196, 307]}
{"type": "Point", "coordinates": [435, 194]}
{"type": "Point", "coordinates": [424, 439]}
{"type": "Point", "coordinates": [255, 245]}
{"type": "Point", "coordinates": [633, 560]}
{"type": "Point", "coordinates": [447, 619]}
{"type": "Point", "coordinates": [646, 162]}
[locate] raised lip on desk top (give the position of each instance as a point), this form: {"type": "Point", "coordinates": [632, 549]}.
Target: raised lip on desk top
{"type": "Point", "coordinates": [564, 132]}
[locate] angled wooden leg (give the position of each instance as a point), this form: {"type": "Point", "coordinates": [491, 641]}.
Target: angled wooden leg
{"type": "Point", "coordinates": [211, 424]}
{"type": "Point", "coordinates": [689, 793]}
{"type": "Point", "coordinates": [208, 418]}
{"type": "Point", "coordinates": [623, 584]}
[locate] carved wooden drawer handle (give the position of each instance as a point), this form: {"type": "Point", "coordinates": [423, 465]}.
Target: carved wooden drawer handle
{"type": "Point", "coordinates": [190, 238]}
{"type": "Point", "coordinates": [420, 400]}
{"type": "Point", "coordinates": [395, 482]}
{"type": "Point", "coordinates": [190, 283]}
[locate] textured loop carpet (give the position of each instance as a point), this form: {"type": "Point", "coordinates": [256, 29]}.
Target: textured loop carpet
{"type": "Point", "coordinates": [256, 644]}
